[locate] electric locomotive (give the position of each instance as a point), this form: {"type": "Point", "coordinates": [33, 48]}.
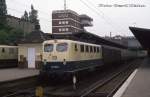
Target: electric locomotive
{"type": "Point", "coordinates": [63, 56]}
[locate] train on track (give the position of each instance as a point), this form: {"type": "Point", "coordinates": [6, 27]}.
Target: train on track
{"type": "Point", "coordinates": [8, 56]}
{"type": "Point", "coordinates": [63, 56]}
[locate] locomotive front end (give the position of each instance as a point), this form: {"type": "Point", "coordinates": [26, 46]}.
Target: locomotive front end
{"type": "Point", "coordinates": [55, 57]}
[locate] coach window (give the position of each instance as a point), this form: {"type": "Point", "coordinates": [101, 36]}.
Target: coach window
{"type": "Point", "coordinates": [87, 48]}
{"type": "Point", "coordinates": [98, 49]}
{"type": "Point", "coordinates": [82, 48]}
{"type": "Point", "coordinates": [62, 47]}
{"type": "Point", "coordinates": [48, 47]}
{"type": "Point", "coordinates": [75, 47]}
{"type": "Point", "coordinates": [91, 49]}
{"type": "Point", "coordinates": [3, 50]}
{"type": "Point", "coordinates": [94, 49]}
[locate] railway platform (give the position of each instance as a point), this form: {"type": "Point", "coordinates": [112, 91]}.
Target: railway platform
{"type": "Point", "coordinates": [16, 73]}
{"type": "Point", "coordinates": [138, 84]}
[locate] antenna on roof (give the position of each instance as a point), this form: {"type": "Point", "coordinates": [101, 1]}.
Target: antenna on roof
{"type": "Point", "coordinates": [64, 4]}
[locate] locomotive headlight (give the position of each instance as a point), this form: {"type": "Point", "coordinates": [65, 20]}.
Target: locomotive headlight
{"type": "Point", "coordinates": [64, 61]}
{"type": "Point", "coordinates": [45, 62]}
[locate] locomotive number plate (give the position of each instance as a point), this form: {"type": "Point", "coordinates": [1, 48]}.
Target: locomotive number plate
{"type": "Point", "coordinates": [54, 57]}
{"type": "Point", "coordinates": [55, 67]}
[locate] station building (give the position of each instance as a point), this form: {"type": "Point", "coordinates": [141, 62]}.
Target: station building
{"type": "Point", "coordinates": [30, 49]}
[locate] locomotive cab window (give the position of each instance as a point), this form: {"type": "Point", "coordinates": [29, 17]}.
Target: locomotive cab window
{"type": "Point", "coordinates": [62, 47]}
{"type": "Point", "coordinates": [48, 47]}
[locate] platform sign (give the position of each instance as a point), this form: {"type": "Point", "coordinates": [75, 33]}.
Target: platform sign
{"type": "Point", "coordinates": [39, 92]}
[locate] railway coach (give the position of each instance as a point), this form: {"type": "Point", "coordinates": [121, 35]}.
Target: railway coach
{"type": "Point", "coordinates": [8, 56]}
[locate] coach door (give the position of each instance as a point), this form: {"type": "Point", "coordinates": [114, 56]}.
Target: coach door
{"type": "Point", "coordinates": [31, 57]}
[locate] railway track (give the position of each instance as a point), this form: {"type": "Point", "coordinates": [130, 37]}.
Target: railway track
{"type": "Point", "coordinates": [110, 85]}
{"type": "Point", "coordinates": [104, 85]}
{"type": "Point", "coordinates": [12, 87]}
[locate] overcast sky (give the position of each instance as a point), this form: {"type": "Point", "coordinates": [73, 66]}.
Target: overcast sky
{"type": "Point", "coordinates": [105, 19]}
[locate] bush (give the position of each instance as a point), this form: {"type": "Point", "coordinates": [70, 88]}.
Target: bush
{"type": "Point", "coordinates": [9, 35]}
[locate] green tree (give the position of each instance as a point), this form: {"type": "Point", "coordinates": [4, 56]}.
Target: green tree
{"type": "Point", "coordinates": [3, 11]}
{"type": "Point", "coordinates": [10, 35]}
{"type": "Point", "coordinates": [33, 16]}
{"type": "Point", "coordinates": [3, 37]}
{"type": "Point", "coordinates": [25, 16]}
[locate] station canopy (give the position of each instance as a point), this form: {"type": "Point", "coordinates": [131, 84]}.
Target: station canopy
{"type": "Point", "coordinates": [87, 37]}
{"type": "Point", "coordinates": [142, 35]}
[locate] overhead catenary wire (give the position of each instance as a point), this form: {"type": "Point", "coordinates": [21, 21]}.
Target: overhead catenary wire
{"type": "Point", "coordinates": [106, 17]}
{"type": "Point", "coordinates": [99, 15]}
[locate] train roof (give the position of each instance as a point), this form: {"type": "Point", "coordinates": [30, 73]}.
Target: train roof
{"type": "Point", "coordinates": [67, 40]}
{"type": "Point", "coordinates": [8, 46]}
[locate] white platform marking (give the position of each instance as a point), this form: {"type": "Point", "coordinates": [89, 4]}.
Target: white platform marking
{"type": "Point", "coordinates": [120, 92]}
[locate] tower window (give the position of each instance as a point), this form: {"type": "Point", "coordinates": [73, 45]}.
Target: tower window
{"type": "Point", "coordinates": [63, 22]}
{"type": "Point", "coordinates": [67, 29]}
{"type": "Point", "coordinates": [67, 22]}
{"type": "Point", "coordinates": [59, 22]}
{"type": "Point", "coordinates": [59, 29]}
{"type": "Point", "coordinates": [63, 29]}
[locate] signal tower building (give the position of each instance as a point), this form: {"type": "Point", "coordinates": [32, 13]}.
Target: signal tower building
{"type": "Point", "coordinates": [68, 21]}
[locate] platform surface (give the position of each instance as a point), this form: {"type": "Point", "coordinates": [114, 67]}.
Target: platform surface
{"type": "Point", "coordinates": [16, 73]}
{"type": "Point", "coordinates": [140, 84]}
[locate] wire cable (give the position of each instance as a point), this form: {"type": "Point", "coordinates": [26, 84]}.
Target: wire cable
{"type": "Point", "coordinates": [99, 15]}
